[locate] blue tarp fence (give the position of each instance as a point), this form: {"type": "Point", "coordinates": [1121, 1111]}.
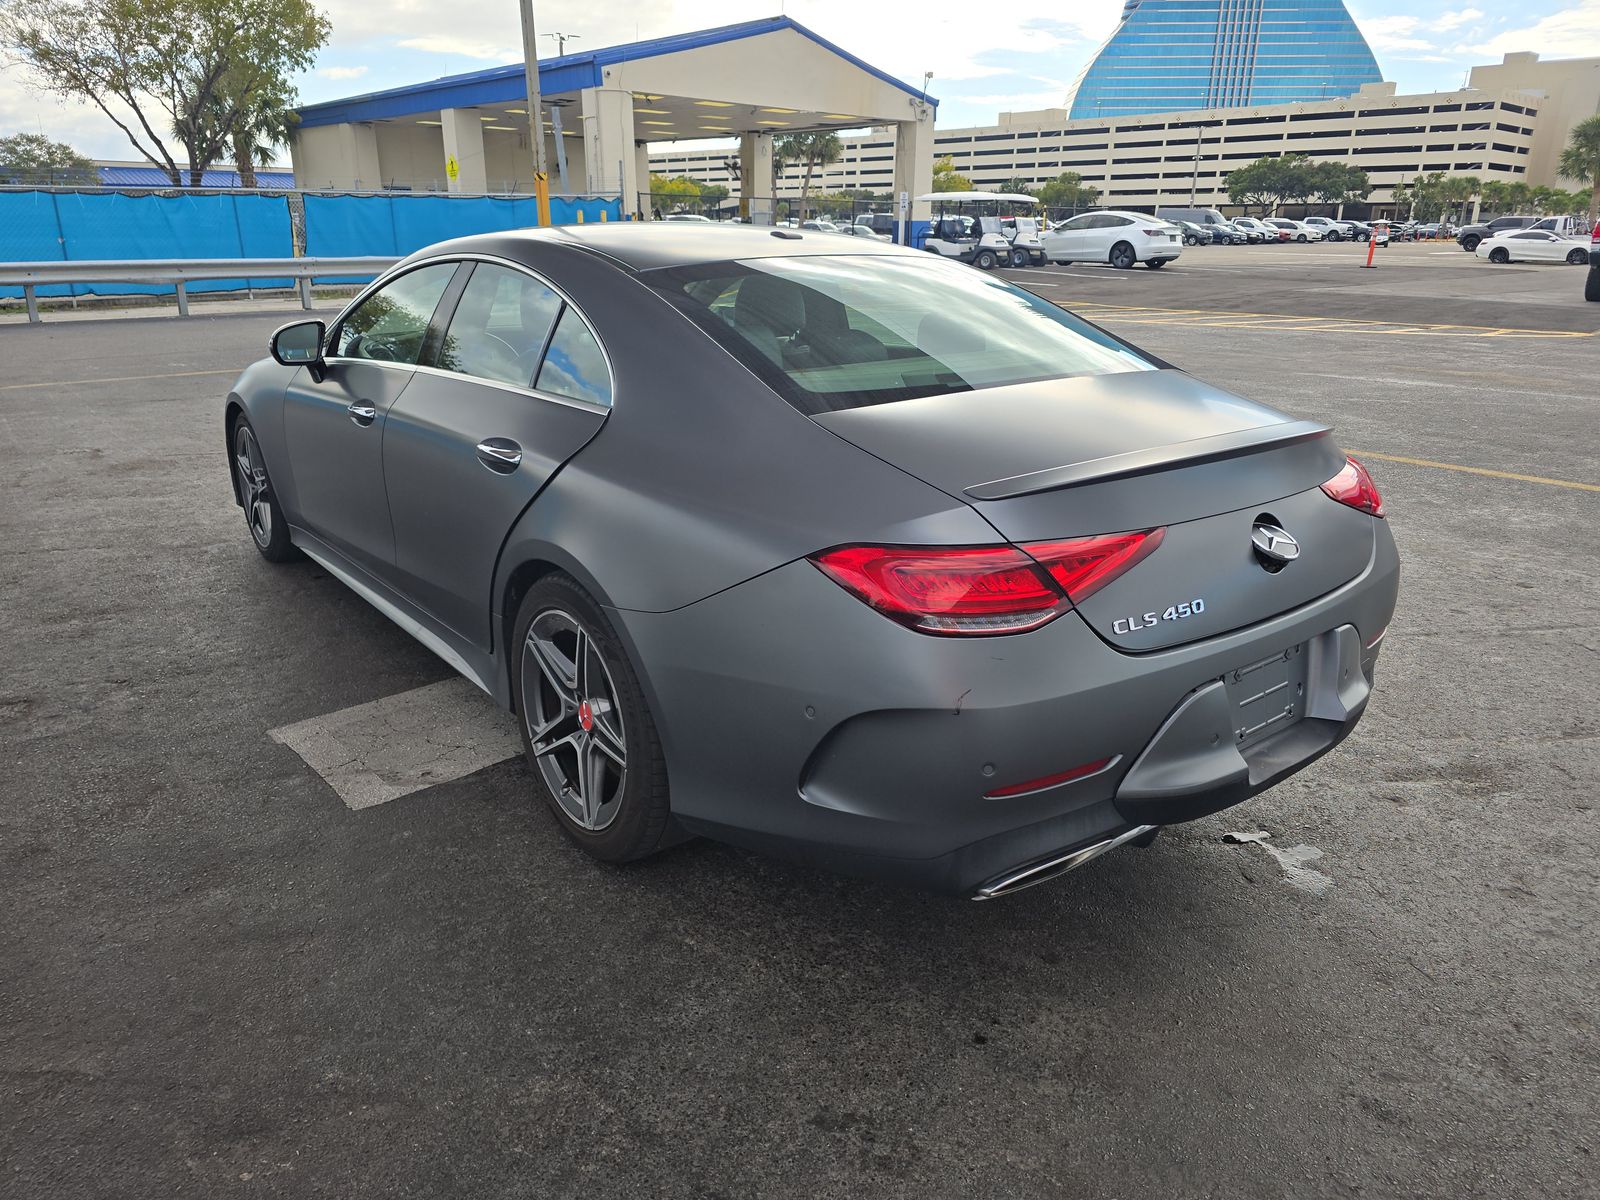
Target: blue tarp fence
{"type": "Point", "coordinates": [345, 226]}
{"type": "Point", "coordinates": [40, 226]}
{"type": "Point", "coordinates": [74, 226]}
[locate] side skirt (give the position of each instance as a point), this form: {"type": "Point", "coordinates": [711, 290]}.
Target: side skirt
{"type": "Point", "coordinates": [469, 661]}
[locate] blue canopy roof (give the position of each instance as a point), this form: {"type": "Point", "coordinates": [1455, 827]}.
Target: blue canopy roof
{"type": "Point", "coordinates": [157, 178]}
{"type": "Point", "coordinates": [569, 73]}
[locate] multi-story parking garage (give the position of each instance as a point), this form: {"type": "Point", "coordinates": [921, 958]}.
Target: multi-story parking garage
{"type": "Point", "coordinates": [1509, 123]}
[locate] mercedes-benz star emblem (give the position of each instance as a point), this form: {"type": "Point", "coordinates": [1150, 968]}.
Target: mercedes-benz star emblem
{"type": "Point", "coordinates": [1273, 543]}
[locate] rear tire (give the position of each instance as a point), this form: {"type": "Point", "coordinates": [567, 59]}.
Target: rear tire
{"type": "Point", "coordinates": [1122, 256]}
{"type": "Point", "coordinates": [1156, 263]}
{"type": "Point", "coordinates": [578, 697]}
{"type": "Point", "coordinates": [269, 528]}
{"type": "Point", "coordinates": [1578, 258]}
{"type": "Point", "coordinates": [1500, 255]}
{"type": "Point", "coordinates": [1470, 243]}
{"type": "Point", "coordinates": [1019, 258]}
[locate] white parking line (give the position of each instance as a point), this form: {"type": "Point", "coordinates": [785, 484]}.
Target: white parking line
{"type": "Point", "coordinates": [373, 753]}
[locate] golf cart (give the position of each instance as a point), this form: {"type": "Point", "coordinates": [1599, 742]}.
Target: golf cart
{"type": "Point", "coordinates": [966, 226]}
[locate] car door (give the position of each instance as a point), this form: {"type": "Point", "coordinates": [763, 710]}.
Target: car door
{"type": "Point", "coordinates": [1069, 242]}
{"type": "Point", "coordinates": [1106, 232]}
{"type": "Point", "coordinates": [516, 387]}
{"type": "Point", "coordinates": [334, 426]}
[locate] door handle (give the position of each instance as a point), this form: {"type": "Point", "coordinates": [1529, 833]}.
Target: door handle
{"type": "Point", "coordinates": [362, 414]}
{"type": "Point", "coordinates": [500, 455]}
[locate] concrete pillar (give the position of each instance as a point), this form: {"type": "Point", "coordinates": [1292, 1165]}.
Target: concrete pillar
{"type": "Point", "coordinates": [913, 167]}
{"type": "Point", "coordinates": [358, 147]}
{"type": "Point", "coordinates": [463, 141]}
{"type": "Point", "coordinates": [755, 177]}
{"type": "Point", "coordinates": [610, 158]}
{"type": "Point", "coordinates": [641, 170]}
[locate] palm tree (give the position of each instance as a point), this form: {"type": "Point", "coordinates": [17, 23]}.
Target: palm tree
{"type": "Point", "coordinates": [813, 149]}
{"type": "Point", "coordinates": [1459, 191]}
{"type": "Point", "coordinates": [1581, 160]}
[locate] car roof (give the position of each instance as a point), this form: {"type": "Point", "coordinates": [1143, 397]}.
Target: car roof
{"type": "Point", "coordinates": [648, 245]}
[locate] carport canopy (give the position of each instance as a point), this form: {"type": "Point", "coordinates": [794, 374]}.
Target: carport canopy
{"type": "Point", "coordinates": [603, 108]}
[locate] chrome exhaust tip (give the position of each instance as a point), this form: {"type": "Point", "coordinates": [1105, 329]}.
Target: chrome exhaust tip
{"type": "Point", "coordinates": [1050, 868]}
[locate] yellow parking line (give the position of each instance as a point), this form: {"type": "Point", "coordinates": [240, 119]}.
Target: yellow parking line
{"type": "Point", "coordinates": [11, 387]}
{"type": "Point", "coordinates": [1444, 466]}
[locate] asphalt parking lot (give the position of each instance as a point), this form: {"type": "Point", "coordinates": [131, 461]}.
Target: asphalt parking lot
{"type": "Point", "coordinates": [217, 978]}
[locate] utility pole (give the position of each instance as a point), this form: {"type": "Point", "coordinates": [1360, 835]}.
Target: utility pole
{"type": "Point", "coordinates": [562, 39]}
{"type": "Point", "coordinates": [530, 63]}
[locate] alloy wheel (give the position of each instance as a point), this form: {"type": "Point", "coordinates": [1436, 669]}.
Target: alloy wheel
{"type": "Point", "coordinates": [574, 720]}
{"type": "Point", "coordinates": [254, 488]}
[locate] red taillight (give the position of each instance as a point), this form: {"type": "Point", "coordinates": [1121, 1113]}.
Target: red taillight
{"type": "Point", "coordinates": [1082, 566]}
{"type": "Point", "coordinates": [1353, 486]}
{"type": "Point", "coordinates": [1048, 781]}
{"type": "Point", "coordinates": [983, 589]}
{"type": "Point", "coordinates": [965, 590]}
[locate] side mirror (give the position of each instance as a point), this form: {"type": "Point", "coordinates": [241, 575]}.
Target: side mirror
{"type": "Point", "coordinates": [299, 345]}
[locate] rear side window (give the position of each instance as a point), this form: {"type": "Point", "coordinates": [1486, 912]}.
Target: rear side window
{"type": "Point", "coordinates": [837, 332]}
{"type": "Point", "coordinates": [574, 366]}
{"type": "Point", "coordinates": [391, 324]}
{"type": "Point", "coordinates": [499, 326]}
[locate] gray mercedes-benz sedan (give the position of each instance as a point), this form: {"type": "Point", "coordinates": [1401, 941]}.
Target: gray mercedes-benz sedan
{"type": "Point", "coordinates": [827, 548]}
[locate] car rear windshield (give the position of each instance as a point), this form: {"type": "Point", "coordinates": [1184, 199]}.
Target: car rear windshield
{"type": "Point", "coordinates": [837, 331]}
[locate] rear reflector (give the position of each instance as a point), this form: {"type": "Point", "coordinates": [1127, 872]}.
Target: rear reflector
{"type": "Point", "coordinates": [1082, 566]}
{"type": "Point", "coordinates": [982, 590]}
{"type": "Point", "coordinates": [1353, 486]}
{"type": "Point", "coordinates": [1049, 781]}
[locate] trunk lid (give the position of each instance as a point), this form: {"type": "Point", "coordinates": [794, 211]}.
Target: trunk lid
{"type": "Point", "coordinates": [1103, 454]}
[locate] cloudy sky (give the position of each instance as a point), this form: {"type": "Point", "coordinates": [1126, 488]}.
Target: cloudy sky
{"type": "Point", "coordinates": [979, 68]}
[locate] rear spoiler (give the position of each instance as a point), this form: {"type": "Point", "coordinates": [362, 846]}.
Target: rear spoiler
{"type": "Point", "coordinates": [1157, 458]}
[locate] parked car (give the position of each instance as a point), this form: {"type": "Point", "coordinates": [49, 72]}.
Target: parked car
{"type": "Point", "coordinates": [1360, 231]}
{"type": "Point", "coordinates": [1119, 238]}
{"type": "Point", "coordinates": [733, 523]}
{"type": "Point", "coordinates": [1296, 231]}
{"type": "Point", "coordinates": [865, 231]}
{"type": "Point", "coordinates": [1240, 235]}
{"type": "Point", "coordinates": [1269, 233]}
{"type": "Point", "coordinates": [1591, 286]}
{"type": "Point", "coordinates": [679, 216]}
{"type": "Point", "coordinates": [819, 225]}
{"type": "Point", "coordinates": [1533, 245]}
{"type": "Point", "coordinates": [1333, 231]}
{"type": "Point", "coordinates": [1194, 235]}
{"type": "Point", "coordinates": [1470, 235]}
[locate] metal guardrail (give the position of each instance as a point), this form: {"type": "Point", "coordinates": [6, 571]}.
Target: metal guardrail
{"type": "Point", "coordinates": [178, 272]}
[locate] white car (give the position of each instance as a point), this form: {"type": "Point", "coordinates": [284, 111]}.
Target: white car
{"type": "Point", "coordinates": [1533, 245]}
{"type": "Point", "coordinates": [865, 231]}
{"type": "Point", "coordinates": [685, 217]}
{"type": "Point", "coordinates": [1334, 231]}
{"type": "Point", "coordinates": [1298, 232]}
{"type": "Point", "coordinates": [1119, 238]}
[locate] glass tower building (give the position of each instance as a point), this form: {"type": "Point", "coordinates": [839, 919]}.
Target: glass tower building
{"type": "Point", "coordinates": [1174, 55]}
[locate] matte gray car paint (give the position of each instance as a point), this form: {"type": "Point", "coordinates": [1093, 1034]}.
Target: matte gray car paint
{"type": "Point", "coordinates": [792, 715]}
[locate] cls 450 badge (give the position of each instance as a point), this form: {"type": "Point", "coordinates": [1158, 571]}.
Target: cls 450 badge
{"type": "Point", "coordinates": [1173, 612]}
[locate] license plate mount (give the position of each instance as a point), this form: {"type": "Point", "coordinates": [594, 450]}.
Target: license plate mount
{"type": "Point", "coordinates": [1267, 695]}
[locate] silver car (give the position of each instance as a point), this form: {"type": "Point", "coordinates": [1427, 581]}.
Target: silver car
{"type": "Point", "coordinates": [821, 547]}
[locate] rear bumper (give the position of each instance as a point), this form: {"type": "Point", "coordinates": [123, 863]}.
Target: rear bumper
{"type": "Point", "coordinates": [798, 721]}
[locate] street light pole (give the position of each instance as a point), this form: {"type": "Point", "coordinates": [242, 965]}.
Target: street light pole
{"type": "Point", "coordinates": [530, 64]}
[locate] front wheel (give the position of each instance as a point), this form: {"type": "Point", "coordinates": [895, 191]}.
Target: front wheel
{"type": "Point", "coordinates": [586, 728]}
{"type": "Point", "coordinates": [986, 260]}
{"type": "Point", "coordinates": [1019, 258]}
{"type": "Point", "coordinates": [1361, 237]}
{"type": "Point", "coordinates": [1302, 238]}
{"type": "Point", "coordinates": [269, 529]}
{"type": "Point", "coordinates": [1156, 262]}
{"type": "Point", "coordinates": [1500, 255]}
{"type": "Point", "coordinates": [1470, 244]}
{"type": "Point", "coordinates": [1578, 257]}
{"type": "Point", "coordinates": [1122, 256]}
